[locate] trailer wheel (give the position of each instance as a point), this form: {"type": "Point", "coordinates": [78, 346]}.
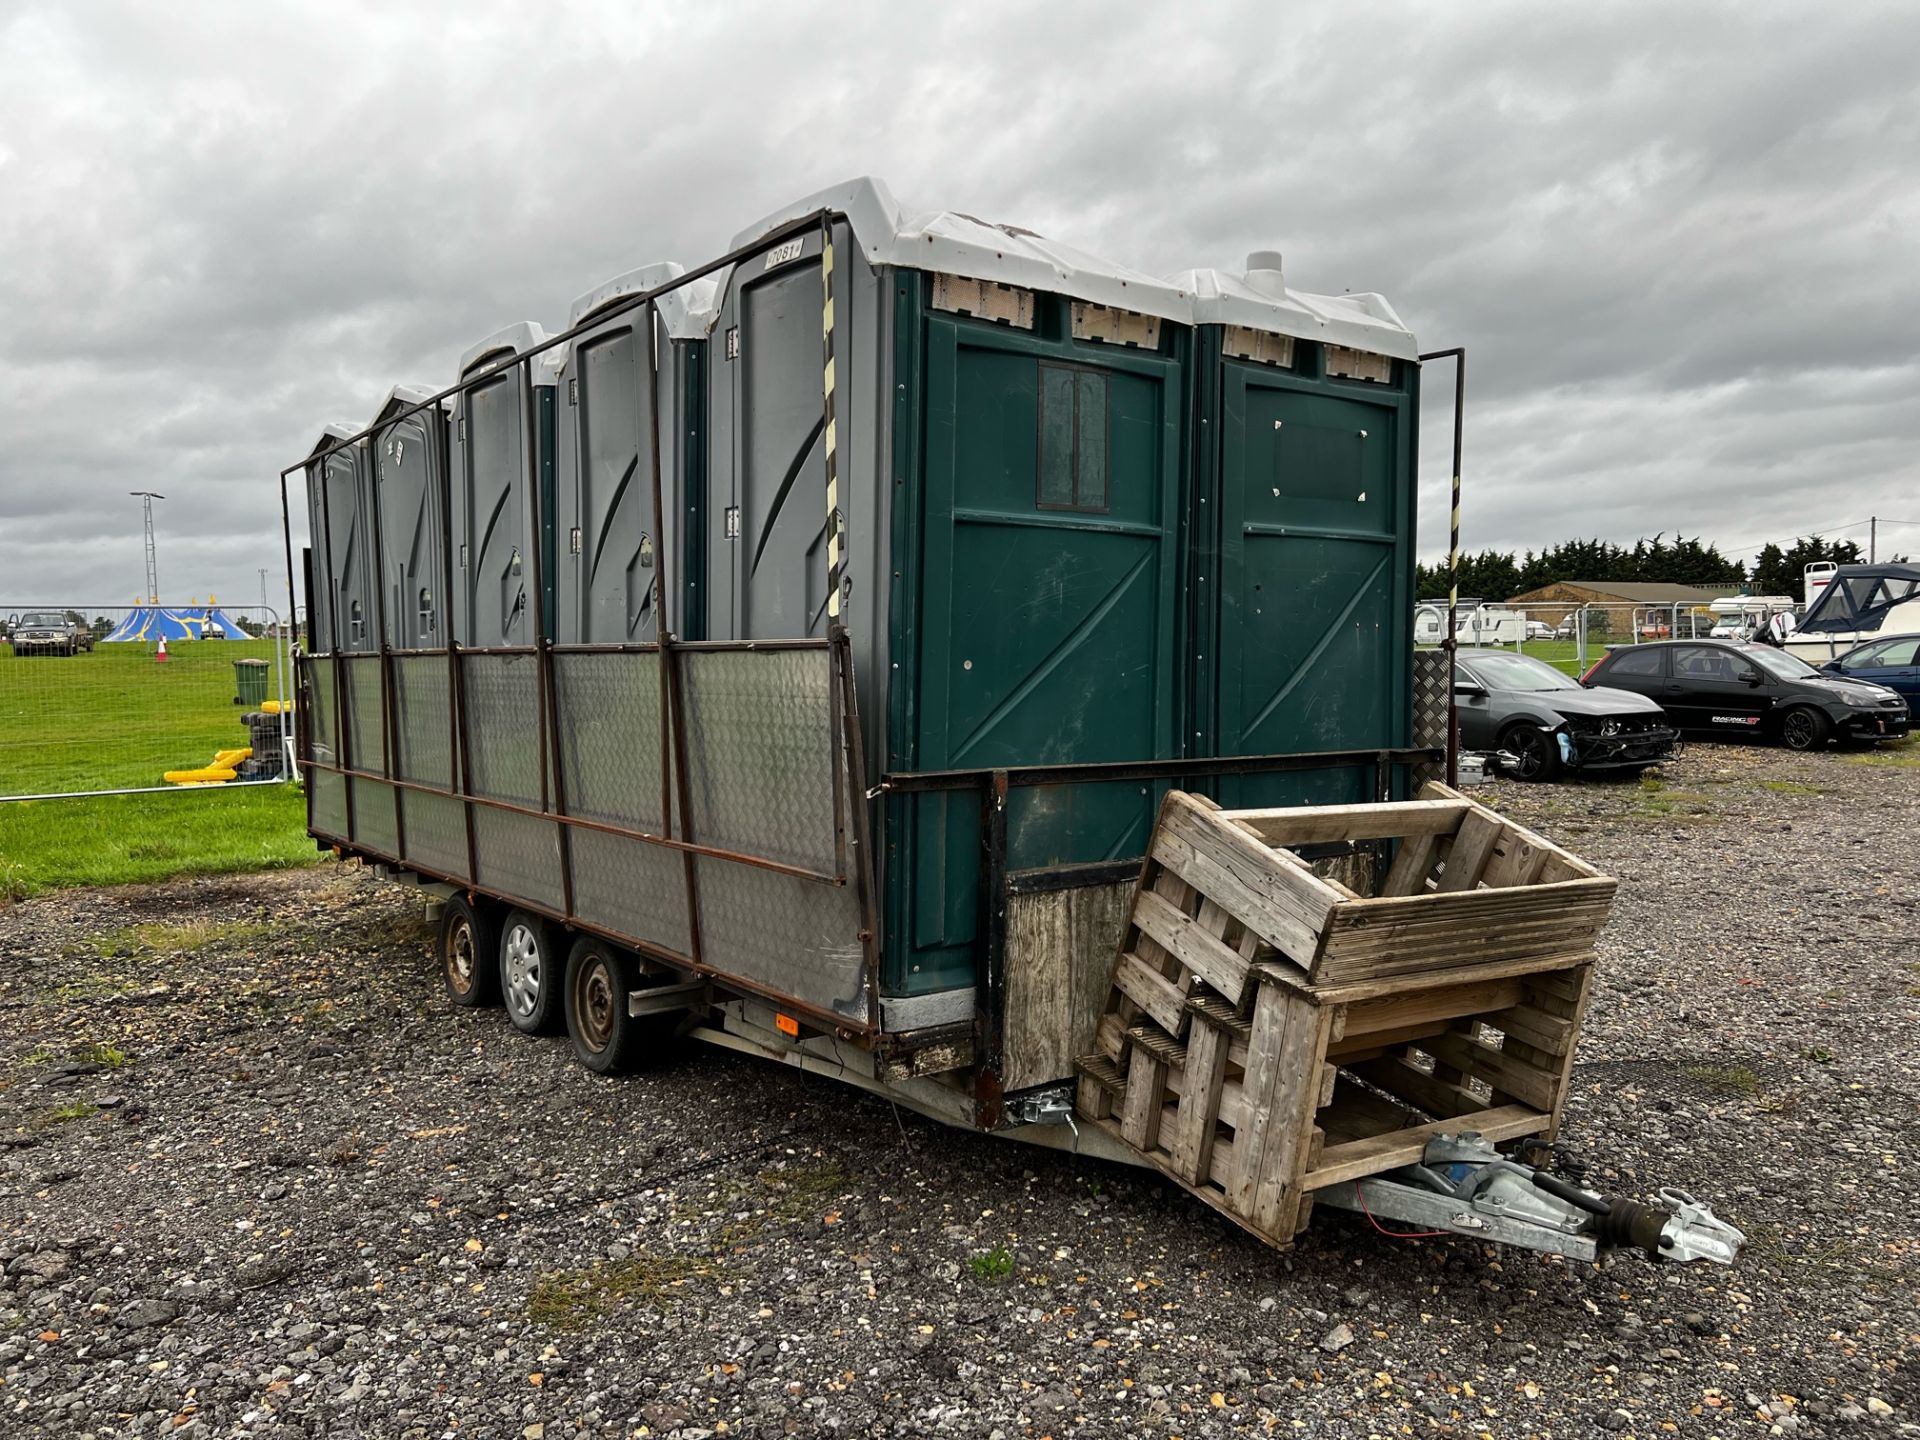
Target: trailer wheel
{"type": "Point", "coordinates": [606, 1039]}
{"type": "Point", "coordinates": [530, 972]}
{"type": "Point", "coordinates": [466, 949]}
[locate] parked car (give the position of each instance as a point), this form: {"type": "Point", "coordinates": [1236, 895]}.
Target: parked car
{"type": "Point", "coordinates": [1539, 630]}
{"type": "Point", "coordinates": [1720, 687]}
{"type": "Point", "coordinates": [1893, 662]}
{"type": "Point", "coordinates": [48, 632]}
{"type": "Point", "coordinates": [1732, 628]}
{"type": "Point", "coordinates": [1546, 720]}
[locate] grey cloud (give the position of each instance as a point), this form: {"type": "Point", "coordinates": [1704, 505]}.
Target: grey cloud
{"type": "Point", "coordinates": [1677, 242]}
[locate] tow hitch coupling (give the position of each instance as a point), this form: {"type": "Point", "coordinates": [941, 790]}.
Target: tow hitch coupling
{"type": "Point", "coordinates": [1464, 1186]}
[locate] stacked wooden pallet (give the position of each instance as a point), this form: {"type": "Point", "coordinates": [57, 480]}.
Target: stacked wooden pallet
{"type": "Point", "coordinates": [1270, 1031]}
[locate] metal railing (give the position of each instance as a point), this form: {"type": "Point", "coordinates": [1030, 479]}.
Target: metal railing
{"type": "Point", "coordinates": [115, 699]}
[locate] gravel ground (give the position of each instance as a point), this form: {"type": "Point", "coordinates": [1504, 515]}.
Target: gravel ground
{"type": "Point", "coordinates": [257, 1177]}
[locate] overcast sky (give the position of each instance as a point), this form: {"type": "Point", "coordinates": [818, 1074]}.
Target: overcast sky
{"type": "Point", "coordinates": [1679, 242]}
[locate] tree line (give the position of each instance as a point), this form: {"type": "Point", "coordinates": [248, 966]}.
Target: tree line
{"type": "Point", "coordinates": [1497, 575]}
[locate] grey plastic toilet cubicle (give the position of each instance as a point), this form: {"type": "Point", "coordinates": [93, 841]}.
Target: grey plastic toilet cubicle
{"type": "Point", "coordinates": [338, 489]}
{"type": "Point", "coordinates": [409, 461]}
{"type": "Point", "coordinates": [494, 526]}
{"type": "Point", "coordinates": [607, 550]}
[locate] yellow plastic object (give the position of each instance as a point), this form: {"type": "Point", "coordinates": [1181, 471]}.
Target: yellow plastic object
{"type": "Point", "coordinates": [229, 759]}
{"type": "Point", "coordinates": [205, 775]}
{"type": "Point", "coordinates": [275, 707]}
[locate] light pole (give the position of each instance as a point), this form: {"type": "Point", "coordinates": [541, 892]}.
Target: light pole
{"type": "Point", "coordinates": [147, 497]}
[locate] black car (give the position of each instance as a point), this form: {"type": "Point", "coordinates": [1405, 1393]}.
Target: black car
{"type": "Point", "coordinates": [1545, 719]}
{"type": "Point", "coordinates": [1721, 687]}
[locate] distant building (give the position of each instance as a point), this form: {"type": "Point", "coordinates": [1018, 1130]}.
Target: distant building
{"type": "Point", "coordinates": [1620, 600]}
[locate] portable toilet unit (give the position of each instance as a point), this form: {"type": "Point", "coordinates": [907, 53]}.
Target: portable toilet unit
{"type": "Point", "coordinates": [609, 543]}
{"type": "Point", "coordinates": [1303, 508]}
{"type": "Point", "coordinates": [339, 491]}
{"type": "Point", "coordinates": [494, 527]}
{"type": "Point", "coordinates": [410, 480]}
{"type": "Point", "coordinates": [1087, 515]}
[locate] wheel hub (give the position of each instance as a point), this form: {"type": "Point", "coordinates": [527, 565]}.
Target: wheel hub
{"type": "Point", "coordinates": [596, 1005]}
{"type": "Point", "coordinates": [460, 957]}
{"type": "Point", "coordinates": [523, 970]}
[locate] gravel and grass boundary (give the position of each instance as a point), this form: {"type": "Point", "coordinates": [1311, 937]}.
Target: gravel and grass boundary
{"type": "Point", "coordinates": [257, 1177]}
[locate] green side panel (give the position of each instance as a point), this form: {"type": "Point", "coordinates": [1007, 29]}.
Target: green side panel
{"type": "Point", "coordinates": [1046, 632]}
{"type": "Point", "coordinates": [1316, 556]}
{"type": "Point", "coordinates": [549, 482]}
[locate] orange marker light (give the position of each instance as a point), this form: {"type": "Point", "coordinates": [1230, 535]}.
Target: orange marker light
{"type": "Point", "coordinates": [787, 1025]}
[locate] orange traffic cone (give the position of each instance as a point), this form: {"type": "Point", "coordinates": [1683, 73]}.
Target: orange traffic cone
{"type": "Point", "coordinates": [160, 655]}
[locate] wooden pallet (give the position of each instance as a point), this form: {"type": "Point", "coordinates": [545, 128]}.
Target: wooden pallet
{"type": "Point", "coordinates": [1270, 1032]}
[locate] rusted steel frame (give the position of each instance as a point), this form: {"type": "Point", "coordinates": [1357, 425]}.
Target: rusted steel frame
{"type": "Point", "coordinates": [1451, 644]}
{"type": "Point", "coordinates": [389, 734]}
{"type": "Point", "coordinates": [840, 1026]}
{"type": "Point", "coordinates": [553, 792]}
{"type": "Point", "coordinates": [696, 647]}
{"type": "Point", "coordinates": [340, 746]}
{"type": "Point", "coordinates": [459, 774]}
{"type": "Point", "coordinates": [799, 226]}
{"type": "Point", "coordinates": [299, 690]}
{"type": "Point", "coordinates": [915, 782]}
{"type": "Point", "coordinates": [853, 754]}
{"type": "Point", "coordinates": [581, 822]}
{"type": "Point", "coordinates": [676, 789]}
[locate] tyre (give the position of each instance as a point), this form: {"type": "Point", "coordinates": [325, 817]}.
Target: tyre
{"type": "Point", "coordinates": [606, 1039]}
{"type": "Point", "coordinates": [466, 949]}
{"type": "Point", "coordinates": [531, 973]}
{"type": "Point", "coordinates": [1537, 752]}
{"type": "Point", "coordinates": [1804, 728]}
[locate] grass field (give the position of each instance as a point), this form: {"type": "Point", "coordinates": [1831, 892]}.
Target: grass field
{"type": "Point", "coordinates": [114, 839]}
{"type": "Point", "coordinates": [114, 718]}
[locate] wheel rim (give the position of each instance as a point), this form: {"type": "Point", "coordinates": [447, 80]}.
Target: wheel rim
{"type": "Point", "coordinates": [1799, 730]}
{"type": "Point", "coordinates": [523, 970]}
{"type": "Point", "coordinates": [594, 1002]}
{"type": "Point", "coordinates": [1532, 752]}
{"type": "Point", "coordinates": [460, 967]}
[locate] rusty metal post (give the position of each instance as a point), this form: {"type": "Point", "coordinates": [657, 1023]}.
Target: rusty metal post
{"type": "Point", "coordinates": [1451, 644]}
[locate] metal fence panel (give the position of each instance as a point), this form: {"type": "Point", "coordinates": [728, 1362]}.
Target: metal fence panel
{"type": "Point", "coordinates": [329, 803]}
{"type": "Point", "coordinates": [799, 937]}
{"type": "Point", "coordinates": [366, 748]}
{"type": "Point", "coordinates": [608, 742]}
{"type": "Point", "coordinates": [518, 855]}
{"type": "Point", "coordinates": [375, 821]}
{"type": "Point", "coordinates": [503, 725]}
{"type": "Point", "coordinates": [632, 888]}
{"type": "Point", "coordinates": [422, 721]}
{"type": "Point", "coordinates": [760, 753]}
{"type": "Point", "coordinates": [91, 702]}
{"type": "Point", "coordinates": [1430, 670]}
{"type": "Point", "coordinates": [436, 833]}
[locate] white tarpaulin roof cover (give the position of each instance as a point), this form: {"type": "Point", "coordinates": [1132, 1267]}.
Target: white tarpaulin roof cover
{"type": "Point", "coordinates": [947, 241]}
{"type": "Point", "coordinates": [686, 312]}
{"type": "Point", "coordinates": [514, 338]}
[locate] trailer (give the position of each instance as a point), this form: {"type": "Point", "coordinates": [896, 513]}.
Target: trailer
{"type": "Point", "coordinates": [835, 627]}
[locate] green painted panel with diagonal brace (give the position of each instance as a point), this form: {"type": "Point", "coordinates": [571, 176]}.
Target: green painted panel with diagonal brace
{"type": "Point", "coordinates": [1046, 629]}
{"type": "Point", "coordinates": [1316, 545]}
